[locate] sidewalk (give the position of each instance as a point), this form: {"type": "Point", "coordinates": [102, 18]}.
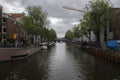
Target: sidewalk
{"type": "Point", "coordinates": [8, 54]}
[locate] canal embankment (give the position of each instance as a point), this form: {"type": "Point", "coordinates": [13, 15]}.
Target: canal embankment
{"type": "Point", "coordinates": [112, 56]}
{"type": "Point", "coordinates": [10, 54]}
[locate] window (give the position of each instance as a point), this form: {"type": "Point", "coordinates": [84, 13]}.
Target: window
{"type": "Point", "coordinates": [4, 20]}
{"type": "Point", "coordinates": [4, 37]}
{"type": "Point", "coordinates": [4, 29]}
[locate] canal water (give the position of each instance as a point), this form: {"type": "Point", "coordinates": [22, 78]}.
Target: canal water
{"type": "Point", "coordinates": [61, 62]}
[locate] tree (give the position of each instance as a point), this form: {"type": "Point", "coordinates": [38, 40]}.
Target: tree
{"type": "Point", "coordinates": [38, 16]}
{"type": "Point", "coordinates": [28, 24]}
{"type": "Point", "coordinates": [69, 35]}
{"type": "Point", "coordinates": [98, 18]}
{"type": "Point", "coordinates": [49, 34]}
{"type": "Point", "coordinates": [85, 26]}
{"type": "Point", "coordinates": [36, 21]}
{"type": "Point", "coordinates": [53, 34]}
{"type": "Point", "coordinates": [76, 31]}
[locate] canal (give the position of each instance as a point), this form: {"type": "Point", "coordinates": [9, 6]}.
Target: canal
{"type": "Point", "coordinates": [61, 62]}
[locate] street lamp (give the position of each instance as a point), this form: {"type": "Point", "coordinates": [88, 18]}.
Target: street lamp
{"type": "Point", "coordinates": [16, 35]}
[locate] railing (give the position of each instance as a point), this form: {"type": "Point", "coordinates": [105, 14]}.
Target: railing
{"type": "Point", "coordinates": [85, 43]}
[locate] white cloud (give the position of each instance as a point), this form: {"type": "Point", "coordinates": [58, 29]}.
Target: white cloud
{"type": "Point", "coordinates": [75, 23]}
{"type": "Point", "coordinates": [55, 21]}
{"type": "Point", "coordinates": [12, 7]}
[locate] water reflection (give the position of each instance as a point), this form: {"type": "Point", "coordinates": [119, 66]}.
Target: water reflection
{"type": "Point", "coordinates": [61, 62]}
{"type": "Point", "coordinates": [94, 68]}
{"type": "Point", "coordinates": [62, 67]}
{"type": "Point", "coordinates": [34, 68]}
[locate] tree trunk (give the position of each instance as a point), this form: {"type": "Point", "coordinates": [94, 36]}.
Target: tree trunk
{"type": "Point", "coordinates": [108, 36]}
{"type": "Point", "coordinates": [89, 35]}
{"type": "Point", "coordinates": [102, 41]}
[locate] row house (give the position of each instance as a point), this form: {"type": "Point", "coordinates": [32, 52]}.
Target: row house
{"type": "Point", "coordinates": [17, 17]}
{"type": "Point", "coordinates": [10, 26]}
{"type": "Point", "coordinates": [113, 32]}
{"type": "Point", "coordinates": [0, 21]}
{"type": "Point", "coordinates": [115, 25]}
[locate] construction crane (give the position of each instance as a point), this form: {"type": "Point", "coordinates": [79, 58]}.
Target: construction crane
{"type": "Point", "coordinates": [83, 11]}
{"type": "Point", "coordinates": [78, 10]}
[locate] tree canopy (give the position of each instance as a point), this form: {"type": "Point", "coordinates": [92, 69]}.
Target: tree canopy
{"type": "Point", "coordinates": [36, 23]}
{"type": "Point", "coordinates": [97, 18]}
{"type": "Point", "coordinates": [69, 34]}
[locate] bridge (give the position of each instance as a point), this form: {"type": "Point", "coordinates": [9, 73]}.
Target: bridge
{"type": "Point", "coordinates": [60, 40]}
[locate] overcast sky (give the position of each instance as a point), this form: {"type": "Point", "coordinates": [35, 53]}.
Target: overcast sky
{"type": "Point", "coordinates": [61, 19]}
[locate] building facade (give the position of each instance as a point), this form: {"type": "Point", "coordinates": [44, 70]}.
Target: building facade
{"type": "Point", "coordinates": [10, 26]}
{"type": "Point", "coordinates": [115, 25]}
{"type": "Point", "coordinates": [0, 23]}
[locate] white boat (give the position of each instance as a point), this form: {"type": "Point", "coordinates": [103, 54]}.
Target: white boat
{"type": "Point", "coordinates": [44, 46]}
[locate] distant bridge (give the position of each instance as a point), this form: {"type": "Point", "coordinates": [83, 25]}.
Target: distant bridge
{"type": "Point", "coordinates": [60, 40]}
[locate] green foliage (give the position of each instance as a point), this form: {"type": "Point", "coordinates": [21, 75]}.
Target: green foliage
{"type": "Point", "coordinates": [97, 19]}
{"type": "Point", "coordinates": [27, 24]}
{"type": "Point", "coordinates": [52, 34]}
{"type": "Point", "coordinates": [38, 16]}
{"type": "Point", "coordinates": [69, 34]}
{"type": "Point", "coordinates": [76, 32]}
{"type": "Point", "coordinates": [99, 15]}
{"type": "Point", "coordinates": [85, 25]}
{"type": "Point", "coordinates": [49, 35]}
{"type": "Point", "coordinates": [35, 21]}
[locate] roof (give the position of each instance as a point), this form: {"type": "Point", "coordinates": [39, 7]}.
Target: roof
{"type": "Point", "coordinates": [16, 15]}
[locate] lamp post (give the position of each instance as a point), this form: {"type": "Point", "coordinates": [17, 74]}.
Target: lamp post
{"type": "Point", "coordinates": [15, 36]}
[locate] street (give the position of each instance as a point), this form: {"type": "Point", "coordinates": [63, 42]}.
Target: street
{"type": "Point", "coordinates": [60, 62]}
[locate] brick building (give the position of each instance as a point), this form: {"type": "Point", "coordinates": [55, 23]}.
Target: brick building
{"type": "Point", "coordinates": [115, 24]}
{"type": "Point", "coordinates": [9, 26]}
{"type": "Point", "coordinates": [0, 22]}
